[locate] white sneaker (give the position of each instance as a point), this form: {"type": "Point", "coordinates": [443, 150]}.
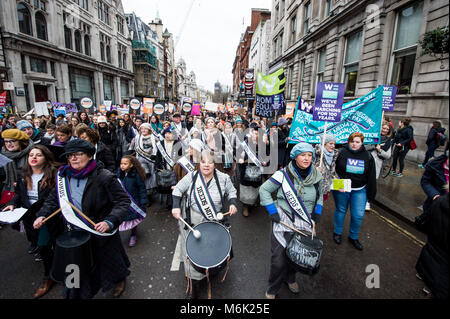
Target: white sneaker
{"type": "Point", "coordinates": [367, 206]}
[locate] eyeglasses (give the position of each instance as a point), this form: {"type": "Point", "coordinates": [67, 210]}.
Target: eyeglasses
{"type": "Point", "coordinates": [10, 141]}
{"type": "Point", "coordinates": [77, 154]}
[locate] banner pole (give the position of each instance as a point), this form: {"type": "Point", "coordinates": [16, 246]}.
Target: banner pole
{"type": "Point", "coordinates": [323, 144]}
{"type": "Point", "coordinates": [381, 126]}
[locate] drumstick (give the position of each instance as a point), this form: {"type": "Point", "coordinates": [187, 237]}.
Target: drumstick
{"type": "Point", "coordinates": [220, 215]}
{"type": "Point", "coordinates": [56, 212]}
{"type": "Point", "coordinates": [295, 229]}
{"type": "Point", "coordinates": [79, 212]}
{"type": "Point", "coordinates": [197, 234]}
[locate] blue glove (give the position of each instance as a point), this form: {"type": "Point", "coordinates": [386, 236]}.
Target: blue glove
{"type": "Point", "coordinates": [273, 213]}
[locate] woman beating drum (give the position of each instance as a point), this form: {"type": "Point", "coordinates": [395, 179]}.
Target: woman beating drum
{"type": "Point", "coordinates": [86, 189]}
{"type": "Point", "coordinates": [301, 183]}
{"type": "Point", "coordinates": [206, 190]}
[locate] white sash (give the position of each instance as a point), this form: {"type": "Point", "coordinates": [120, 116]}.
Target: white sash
{"type": "Point", "coordinates": [203, 199]}
{"type": "Point", "coordinates": [134, 207]}
{"type": "Point", "coordinates": [156, 134]}
{"type": "Point", "coordinates": [69, 213]}
{"type": "Point", "coordinates": [186, 164]}
{"type": "Point", "coordinates": [295, 203]}
{"type": "Point", "coordinates": [140, 149]}
{"type": "Point", "coordinates": [251, 154]}
{"type": "Point", "coordinates": [165, 155]}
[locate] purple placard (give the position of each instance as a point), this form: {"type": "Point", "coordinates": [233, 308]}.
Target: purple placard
{"type": "Point", "coordinates": [389, 93]}
{"type": "Point", "coordinates": [328, 102]}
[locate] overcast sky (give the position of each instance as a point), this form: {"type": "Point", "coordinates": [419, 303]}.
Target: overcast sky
{"type": "Point", "coordinates": [210, 36]}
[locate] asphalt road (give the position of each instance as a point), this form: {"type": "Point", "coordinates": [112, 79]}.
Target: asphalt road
{"type": "Point", "coordinates": [388, 243]}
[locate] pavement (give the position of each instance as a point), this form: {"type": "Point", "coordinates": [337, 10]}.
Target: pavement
{"type": "Point", "coordinates": [402, 196]}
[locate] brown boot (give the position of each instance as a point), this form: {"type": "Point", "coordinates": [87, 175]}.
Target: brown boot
{"type": "Point", "coordinates": [245, 210]}
{"type": "Point", "coordinates": [45, 286]}
{"type": "Point", "coordinates": [119, 289]}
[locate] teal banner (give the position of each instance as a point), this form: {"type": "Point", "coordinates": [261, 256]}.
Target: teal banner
{"type": "Point", "coordinates": [361, 115]}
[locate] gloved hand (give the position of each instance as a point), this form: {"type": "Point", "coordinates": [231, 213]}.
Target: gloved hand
{"type": "Point", "coordinates": [273, 213]}
{"type": "Point", "coordinates": [275, 218]}
{"type": "Point", "coordinates": [315, 217]}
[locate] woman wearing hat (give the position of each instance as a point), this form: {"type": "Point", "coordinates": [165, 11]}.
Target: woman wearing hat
{"type": "Point", "coordinates": [96, 192]}
{"type": "Point", "coordinates": [219, 187]}
{"type": "Point", "coordinates": [211, 135]}
{"type": "Point", "coordinates": [35, 182]}
{"type": "Point", "coordinates": [108, 135]}
{"type": "Point", "coordinates": [17, 144]}
{"type": "Point", "coordinates": [33, 133]}
{"type": "Point", "coordinates": [304, 182]}
{"type": "Point", "coordinates": [357, 164]}
{"type": "Point", "coordinates": [328, 168]}
{"type": "Point", "coordinates": [144, 144]}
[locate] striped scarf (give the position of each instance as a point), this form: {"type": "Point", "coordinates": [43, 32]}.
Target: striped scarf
{"type": "Point", "coordinates": [68, 171]}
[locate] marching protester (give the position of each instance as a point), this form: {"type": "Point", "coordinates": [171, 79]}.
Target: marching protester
{"type": "Point", "coordinates": [328, 167]}
{"type": "Point", "coordinates": [436, 138]}
{"type": "Point", "coordinates": [218, 186]}
{"type": "Point", "coordinates": [95, 192]}
{"type": "Point", "coordinates": [357, 164]}
{"type": "Point", "coordinates": [402, 141]}
{"type": "Point", "coordinates": [132, 177]}
{"type": "Point", "coordinates": [34, 183]}
{"type": "Point", "coordinates": [179, 128]}
{"type": "Point", "coordinates": [144, 145]}
{"type": "Point", "coordinates": [102, 153]}
{"type": "Point", "coordinates": [250, 170]}
{"type": "Point", "coordinates": [228, 151]}
{"type": "Point", "coordinates": [33, 133]}
{"type": "Point", "coordinates": [63, 135]}
{"type": "Point", "coordinates": [191, 160]}
{"type": "Point", "coordinates": [84, 118]}
{"type": "Point", "coordinates": [304, 183]}
{"type": "Point", "coordinates": [283, 136]}
{"type": "Point", "coordinates": [107, 134]}
{"type": "Point", "coordinates": [156, 124]}
{"type": "Point", "coordinates": [123, 144]}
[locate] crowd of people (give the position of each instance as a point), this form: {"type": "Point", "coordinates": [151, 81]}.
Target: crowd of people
{"type": "Point", "coordinates": [113, 165]}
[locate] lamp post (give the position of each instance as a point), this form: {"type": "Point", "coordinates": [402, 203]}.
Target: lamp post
{"type": "Point", "coordinates": [166, 36]}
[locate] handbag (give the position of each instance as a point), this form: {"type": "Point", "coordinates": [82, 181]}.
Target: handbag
{"type": "Point", "coordinates": [413, 144]}
{"type": "Point", "coordinates": [252, 174]}
{"type": "Point", "coordinates": [304, 252]}
{"type": "Point", "coordinates": [165, 178]}
{"type": "Point", "coordinates": [7, 196]}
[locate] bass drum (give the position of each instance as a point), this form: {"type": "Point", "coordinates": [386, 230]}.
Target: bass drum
{"type": "Point", "coordinates": [212, 250]}
{"type": "Point", "coordinates": [72, 248]}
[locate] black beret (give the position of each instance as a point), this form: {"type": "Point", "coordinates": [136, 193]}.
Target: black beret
{"type": "Point", "coordinates": [78, 145]}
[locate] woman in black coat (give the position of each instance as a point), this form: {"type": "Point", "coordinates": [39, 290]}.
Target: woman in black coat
{"type": "Point", "coordinates": [103, 154]}
{"type": "Point", "coordinates": [433, 264]}
{"type": "Point", "coordinates": [433, 141]}
{"type": "Point", "coordinates": [98, 194]}
{"type": "Point", "coordinates": [402, 140]}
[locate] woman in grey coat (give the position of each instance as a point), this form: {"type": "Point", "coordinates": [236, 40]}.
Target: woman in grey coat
{"type": "Point", "coordinates": [307, 182]}
{"type": "Point", "coordinates": [184, 186]}
{"type": "Point", "coordinates": [328, 168]}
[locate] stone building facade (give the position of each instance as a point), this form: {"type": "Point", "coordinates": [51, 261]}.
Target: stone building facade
{"type": "Point", "coordinates": [365, 44]}
{"type": "Point", "coordinates": [63, 50]}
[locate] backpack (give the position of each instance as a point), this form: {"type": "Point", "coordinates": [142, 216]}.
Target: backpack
{"type": "Point", "coordinates": [441, 138]}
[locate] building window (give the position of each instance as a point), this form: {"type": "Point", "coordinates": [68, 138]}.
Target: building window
{"type": "Point", "coordinates": [291, 82]}
{"type": "Point", "coordinates": [87, 45]}
{"type": "Point", "coordinates": [77, 37]}
{"type": "Point", "coordinates": [275, 46]}
{"type": "Point", "coordinates": [68, 38]}
{"type": "Point", "coordinates": [105, 48]}
{"type": "Point", "coordinates": [38, 65]}
{"type": "Point", "coordinates": [277, 14]}
{"type": "Point", "coordinates": [81, 84]}
{"type": "Point", "coordinates": [302, 75]}
{"type": "Point", "coordinates": [102, 51]}
{"type": "Point", "coordinates": [307, 17]}
{"type": "Point", "coordinates": [321, 64]}
{"type": "Point", "coordinates": [405, 46]}
{"type": "Point", "coordinates": [282, 8]}
{"type": "Point", "coordinates": [120, 25]}
{"type": "Point", "coordinates": [23, 64]}
{"type": "Point", "coordinates": [108, 87]}
{"type": "Point", "coordinates": [124, 91]}
{"type": "Point", "coordinates": [108, 54]}
{"type": "Point", "coordinates": [83, 3]}
{"type": "Point", "coordinates": [293, 29]}
{"type": "Point", "coordinates": [351, 62]}
{"type": "Point", "coordinates": [41, 26]}
{"type": "Point", "coordinates": [280, 52]}
{"type": "Point", "coordinates": [328, 7]}
{"type": "Point", "coordinates": [52, 68]}
{"type": "Point", "coordinates": [103, 12]}
{"type": "Point", "coordinates": [24, 19]}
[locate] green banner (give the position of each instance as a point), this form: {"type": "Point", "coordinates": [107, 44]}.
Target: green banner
{"type": "Point", "coordinates": [271, 84]}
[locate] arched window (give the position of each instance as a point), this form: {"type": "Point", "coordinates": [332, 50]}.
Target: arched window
{"type": "Point", "coordinates": [102, 51]}
{"type": "Point", "coordinates": [68, 38]}
{"type": "Point", "coordinates": [108, 54]}
{"type": "Point", "coordinates": [124, 64]}
{"type": "Point", "coordinates": [41, 26]}
{"type": "Point", "coordinates": [24, 19]}
{"type": "Point", "coordinates": [77, 37]}
{"type": "Point", "coordinates": [87, 45]}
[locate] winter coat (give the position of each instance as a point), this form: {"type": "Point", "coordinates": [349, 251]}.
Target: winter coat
{"type": "Point", "coordinates": [433, 180]}
{"type": "Point", "coordinates": [105, 156]}
{"type": "Point", "coordinates": [328, 171]}
{"type": "Point", "coordinates": [432, 139]}
{"type": "Point", "coordinates": [109, 137]}
{"type": "Point", "coordinates": [404, 136]}
{"type": "Point", "coordinates": [433, 263]}
{"type": "Point", "coordinates": [386, 153]}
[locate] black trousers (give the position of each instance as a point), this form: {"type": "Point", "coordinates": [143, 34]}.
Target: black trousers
{"type": "Point", "coordinates": [399, 155]}
{"type": "Point", "coordinates": [280, 269]}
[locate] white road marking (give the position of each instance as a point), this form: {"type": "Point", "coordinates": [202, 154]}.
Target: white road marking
{"type": "Point", "coordinates": [176, 256]}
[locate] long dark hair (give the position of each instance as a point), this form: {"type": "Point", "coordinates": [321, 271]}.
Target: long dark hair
{"type": "Point", "coordinates": [49, 169]}
{"type": "Point", "coordinates": [139, 169]}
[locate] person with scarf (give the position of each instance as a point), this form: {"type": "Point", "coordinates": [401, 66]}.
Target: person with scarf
{"type": "Point", "coordinates": [17, 144]}
{"type": "Point", "coordinates": [122, 141]}
{"type": "Point", "coordinates": [102, 153]}
{"type": "Point", "coordinates": [144, 144]}
{"type": "Point", "coordinates": [97, 193]}
{"type": "Point", "coordinates": [108, 136]}
{"type": "Point", "coordinates": [219, 186]}
{"type": "Point", "coordinates": [35, 181]}
{"type": "Point", "coordinates": [63, 135]}
{"type": "Point", "coordinates": [34, 134]}
{"type": "Point", "coordinates": [354, 162]}
{"type": "Point", "coordinates": [328, 168]}
{"type": "Point", "coordinates": [305, 182]}
{"type": "Point", "coordinates": [156, 124]}
{"type": "Point", "coordinates": [228, 151]}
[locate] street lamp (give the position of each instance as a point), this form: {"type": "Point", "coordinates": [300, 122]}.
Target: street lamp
{"type": "Point", "coordinates": [165, 35]}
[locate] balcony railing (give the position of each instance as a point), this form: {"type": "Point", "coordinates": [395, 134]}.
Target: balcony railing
{"type": "Point", "coordinates": [144, 45]}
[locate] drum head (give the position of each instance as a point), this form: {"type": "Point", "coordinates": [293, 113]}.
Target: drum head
{"type": "Point", "coordinates": [212, 248]}
{"type": "Point", "coordinates": [72, 239]}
